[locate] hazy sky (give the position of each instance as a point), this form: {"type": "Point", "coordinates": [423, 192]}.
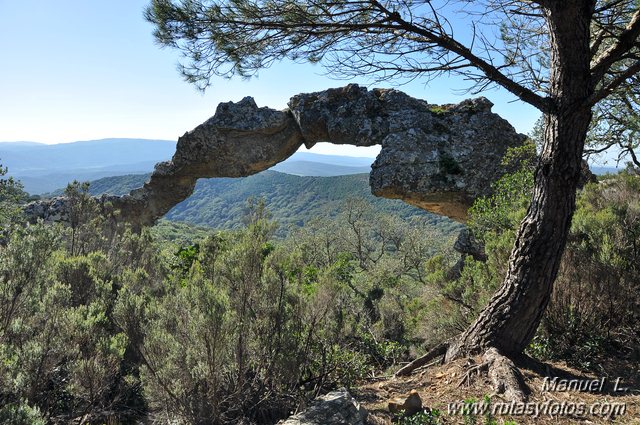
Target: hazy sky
{"type": "Point", "coordinates": [86, 69]}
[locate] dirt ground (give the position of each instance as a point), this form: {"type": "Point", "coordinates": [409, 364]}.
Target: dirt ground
{"type": "Point", "coordinates": [438, 386]}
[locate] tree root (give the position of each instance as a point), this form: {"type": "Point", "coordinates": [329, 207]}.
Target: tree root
{"type": "Point", "coordinates": [505, 376]}
{"type": "Point", "coordinates": [438, 351]}
{"type": "Point", "coordinates": [479, 368]}
{"type": "Point", "coordinates": [503, 373]}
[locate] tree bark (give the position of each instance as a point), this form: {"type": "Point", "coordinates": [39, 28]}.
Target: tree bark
{"type": "Point", "coordinates": [511, 318]}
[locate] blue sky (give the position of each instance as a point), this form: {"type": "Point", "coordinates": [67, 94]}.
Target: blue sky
{"type": "Point", "coordinates": [80, 70]}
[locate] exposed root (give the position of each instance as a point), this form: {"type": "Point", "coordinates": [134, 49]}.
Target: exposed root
{"type": "Point", "coordinates": [505, 376]}
{"type": "Point", "coordinates": [503, 373]}
{"type": "Point", "coordinates": [477, 369]}
{"type": "Point", "coordinates": [438, 351]}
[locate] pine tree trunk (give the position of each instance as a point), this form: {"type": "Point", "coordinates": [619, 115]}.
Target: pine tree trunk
{"type": "Point", "coordinates": [511, 318]}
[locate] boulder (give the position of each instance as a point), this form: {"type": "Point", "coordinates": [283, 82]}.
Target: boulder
{"type": "Point", "coordinates": [406, 406]}
{"type": "Point", "coordinates": [335, 408]}
{"type": "Point", "coordinates": [50, 210]}
{"type": "Point", "coordinates": [467, 244]}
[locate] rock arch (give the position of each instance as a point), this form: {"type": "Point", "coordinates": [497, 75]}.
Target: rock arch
{"type": "Point", "coordinates": [437, 157]}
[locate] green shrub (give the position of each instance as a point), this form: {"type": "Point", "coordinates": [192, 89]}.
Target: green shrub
{"type": "Point", "coordinates": [20, 414]}
{"type": "Point", "coordinates": [594, 309]}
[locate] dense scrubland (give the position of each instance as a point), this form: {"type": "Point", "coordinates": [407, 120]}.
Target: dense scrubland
{"type": "Point", "coordinates": [102, 325]}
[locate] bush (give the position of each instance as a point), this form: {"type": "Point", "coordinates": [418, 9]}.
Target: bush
{"type": "Point", "coordinates": [100, 323]}
{"type": "Point", "coordinates": [595, 305]}
{"type": "Point", "coordinates": [20, 414]}
{"type": "Point", "coordinates": [61, 355]}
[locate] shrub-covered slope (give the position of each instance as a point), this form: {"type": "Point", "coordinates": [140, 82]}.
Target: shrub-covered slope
{"type": "Point", "coordinates": [292, 200]}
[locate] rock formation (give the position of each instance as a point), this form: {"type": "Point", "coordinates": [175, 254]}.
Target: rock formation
{"type": "Point", "coordinates": [466, 244]}
{"type": "Point", "coordinates": [335, 408]}
{"type": "Point", "coordinates": [438, 158]}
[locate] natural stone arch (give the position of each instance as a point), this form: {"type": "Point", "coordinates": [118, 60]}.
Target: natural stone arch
{"type": "Point", "coordinates": [436, 157]}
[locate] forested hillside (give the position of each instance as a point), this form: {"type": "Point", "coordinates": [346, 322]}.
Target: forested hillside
{"type": "Point", "coordinates": [102, 325]}
{"type": "Point", "coordinates": [292, 200]}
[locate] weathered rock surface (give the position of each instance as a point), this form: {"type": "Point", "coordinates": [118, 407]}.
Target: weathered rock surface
{"type": "Point", "coordinates": [335, 408]}
{"type": "Point", "coordinates": [438, 158]}
{"type": "Point", "coordinates": [586, 176]}
{"type": "Point", "coordinates": [407, 406]}
{"type": "Point", "coordinates": [50, 210]}
{"type": "Point", "coordinates": [467, 244]}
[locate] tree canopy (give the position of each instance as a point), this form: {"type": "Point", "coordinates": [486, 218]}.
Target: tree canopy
{"type": "Point", "coordinates": [488, 42]}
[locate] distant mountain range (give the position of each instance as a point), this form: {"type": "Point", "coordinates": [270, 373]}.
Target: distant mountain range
{"type": "Point", "coordinates": [44, 168]}
{"type": "Point", "coordinates": [292, 200]}
{"type": "Point", "coordinates": [604, 170]}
